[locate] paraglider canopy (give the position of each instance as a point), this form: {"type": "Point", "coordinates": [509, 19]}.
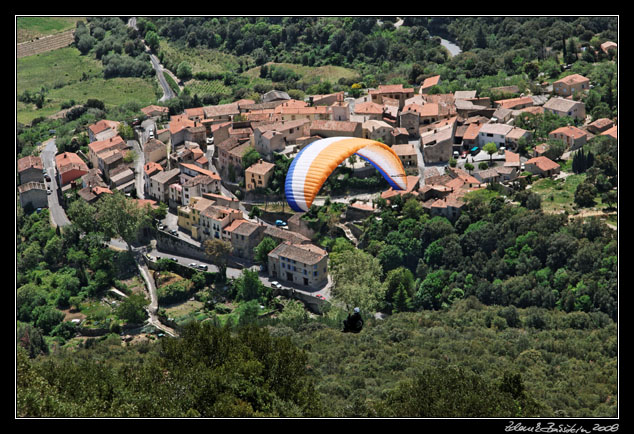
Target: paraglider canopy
{"type": "Point", "coordinates": [312, 166]}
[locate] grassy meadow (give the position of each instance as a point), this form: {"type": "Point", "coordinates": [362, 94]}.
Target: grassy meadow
{"type": "Point", "coordinates": [67, 75]}
{"type": "Point", "coordinates": [29, 28]}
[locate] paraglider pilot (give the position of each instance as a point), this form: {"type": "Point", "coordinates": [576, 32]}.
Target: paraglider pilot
{"type": "Point", "coordinates": [354, 322]}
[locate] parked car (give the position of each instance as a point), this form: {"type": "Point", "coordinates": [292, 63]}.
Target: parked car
{"type": "Point", "coordinates": [193, 265]}
{"type": "Point", "coordinates": [203, 267]}
{"type": "Point", "coordinates": [280, 223]}
{"type": "Point", "coordinates": [276, 284]}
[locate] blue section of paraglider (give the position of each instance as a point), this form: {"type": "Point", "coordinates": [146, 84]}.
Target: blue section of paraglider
{"type": "Point", "coordinates": [288, 183]}
{"type": "Point", "coordinates": [385, 175]}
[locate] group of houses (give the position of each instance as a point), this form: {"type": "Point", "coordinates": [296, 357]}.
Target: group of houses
{"type": "Point", "coordinates": [178, 169]}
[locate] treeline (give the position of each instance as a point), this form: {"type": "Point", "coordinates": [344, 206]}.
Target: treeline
{"type": "Point", "coordinates": [502, 43]}
{"type": "Point", "coordinates": [120, 48]}
{"type": "Point", "coordinates": [501, 253]}
{"type": "Point", "coordinates": [467, 361]}
{"type": "Point", "coordinates": [58, 271]}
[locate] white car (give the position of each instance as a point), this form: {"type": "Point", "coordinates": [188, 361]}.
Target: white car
{"type": "Point", "coordinates": [276, 284]}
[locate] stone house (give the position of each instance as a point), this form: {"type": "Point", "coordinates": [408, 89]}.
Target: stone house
{"type": "Point", "coordinates": [122, 179]}
{"type": "Point", "coordinates": [69, 167]}
{"type": "Point", "coordinates": [437, 144]}
{"type": "Point", "coordinates": [305, 265]}
{"type": "Point", "coordinates": [155, 111]}
{"type": "Point", "coordinates": [103, 130]}
{"type": "Point", "coordinates": [573, 137]}
{"type": "Point", "coordinates": [189, 215]}
{"type": "Point", "coordinates": [245, 236]}
{"type": "Point", "coordinates": [274, 137]}
{"type": "Point", "coordinates": [377, 130]}
{"type": "Point", "coordinates": [189, 171]}
{"type": "Point", "coordinates": [566, 107]}
{"type": "Point", "coordinates": [149, 170]}
{"type": "Point", "coordinates": [336, 129]}
{"type": "Point", "coordinates": [570, 84]}
{"type": "Point", "coordinates": [258, 175]}
{"type": "Point", "coordinates": [542, 166]}
{"type": "Point", "coordinates": [101, 146]}
{"type": "Point", "coordinates": [213, 220]}
{"type": "Point", "coordinates": [33, 194]}
{"type": "Point", "coordinates": [160, 182]}
{"type": "Point", "coordinates": [154, 150]}
{"type": "Point", "coordinates": [30, 169]}
{"type": "Point", "coordinates": [366, 111]}
{"type": "Point", "coordinates": [492, 132]}
{"type": "Point", "coordinates": [600, 125]}
{"type": "Point", "coordinates": [515, 135]}
{"type": "Point", "coordinates": [394, 91]}
{"type": "Point", "coordinates": [196, 186]}
{"type": "Point", "coordinates": [408, 156]}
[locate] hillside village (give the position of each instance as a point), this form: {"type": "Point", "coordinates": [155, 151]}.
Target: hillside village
{"type": "Point", "coordinates": [194, 161]}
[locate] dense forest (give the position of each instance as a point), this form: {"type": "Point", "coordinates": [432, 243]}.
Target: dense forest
{"type": "Point", "coordinates": [508, 311]}
{"type": "Point", "coordinates": [507, 302]}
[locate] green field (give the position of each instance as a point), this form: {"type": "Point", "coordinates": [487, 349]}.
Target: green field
{"type": "Point", "coordinates": [67, 75]}
{"type": "Point", "coordinates": [201, 59]}
{"type": "Point", "coordinates": [29, 28]}
{"type": "Point", "coordinates": [55, 68]}
{"type": "Point", "coordinates": [559, 195]}
{"type": "Point", "coordinates": [311, 74]}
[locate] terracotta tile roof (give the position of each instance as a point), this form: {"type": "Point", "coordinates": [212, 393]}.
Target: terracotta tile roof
{"type": "Point", "coordinates": [97, 147]}
{"type": "Point", "coordinates": [512, 159]}
{"type": "Point", "coordinates": [572, 79]}
{"type": "Point", "coordinates": [261, 168]}
{"type": "Point", "coordinates": [245, 227]}
{"type": "Point", "coordinates": [195, 112]}
{"type": "Point", "coordinates": [200, 170]}
{"type": "Point", "coordinates": [612, 132]}
{"type": "Point", "coordinates": [406, 149]}
{"type": "Point", "coordinates": [543, 163]}
{"type": "Point", "coordinates": [305, 253]}
{"type": "Point", "coordinates": [221, 110]}
{"type": "Point", "coordinates": [472, 131]}
{"type": "Point", "coordinates": [103, 125]}
{"type": "Point", "coordinates": [179, 122]}
{"type": "Point", "coordinates": [570, 131]}
{"type": "Point", "coordinates": [69, 160]}
{"type": "Point", "coordinates": [368, 108]}
{"type": "Point", "coordinates": [514, 102]}
{"type": "Point", "coordinates": [430, 81]}
{"type": "Point", "coordinates": [154, 108]}
{"type": "Point", "coordinates": [151, 168]}
{"type": "Point", "coordinates": [393, 88]}
{"type": "Point", "coordinates": [334, 125]}
{"type": "Point", "coordinates": [30, 162]}
{"type": "Point", "coordinates": [234, 225]}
